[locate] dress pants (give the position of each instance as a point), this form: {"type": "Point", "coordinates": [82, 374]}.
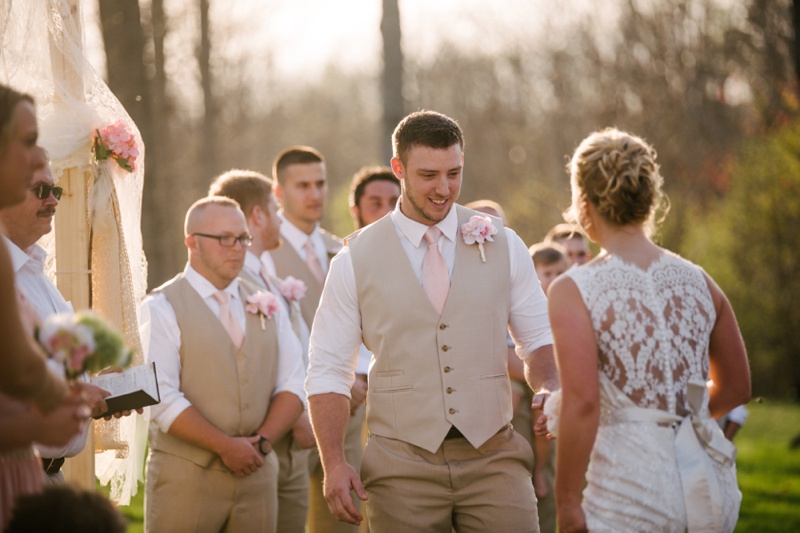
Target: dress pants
{"type": "Point", "coordinates": [523, 424]}
{"type": "Point", "coordinates": [292, 486]}
{"type": "Point", "coordinates": [320, 519]}
{"type": "Point", "coordinates": [182, 497]}
{"type": "Point", "coordinates": [411, 490]}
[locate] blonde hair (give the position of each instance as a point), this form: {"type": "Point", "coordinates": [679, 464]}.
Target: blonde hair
{"type": "Point", "coordinates": [617, 173]}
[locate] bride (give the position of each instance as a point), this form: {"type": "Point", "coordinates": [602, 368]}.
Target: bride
{"type": "Point", "coordinates": [648, 351]}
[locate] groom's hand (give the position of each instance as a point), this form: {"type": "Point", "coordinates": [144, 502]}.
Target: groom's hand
{"type": "Point", "coordinates": [240, 455]}
{"type": "Point", "coordinates": [338, 483]}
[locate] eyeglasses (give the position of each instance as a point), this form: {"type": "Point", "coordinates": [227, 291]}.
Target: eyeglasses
{"type": "Point", "coordinates": [43, 190]}
{"type": "Point", "coordinates": [228, 241]}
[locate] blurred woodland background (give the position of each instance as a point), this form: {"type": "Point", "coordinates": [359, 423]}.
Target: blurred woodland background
{"type": "Point", "coordinates": [713, 84]}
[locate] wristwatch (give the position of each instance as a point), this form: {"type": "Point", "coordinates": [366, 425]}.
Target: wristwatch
{"type": "Point", "coordinates": [261, 440]}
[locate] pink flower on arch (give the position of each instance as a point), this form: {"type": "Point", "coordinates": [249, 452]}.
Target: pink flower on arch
{"type": "Point", "coordinates": [116, 142]}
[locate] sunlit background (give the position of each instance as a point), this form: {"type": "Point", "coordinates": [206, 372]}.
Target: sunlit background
{"type": "Point", "coordinates": [711, 83]}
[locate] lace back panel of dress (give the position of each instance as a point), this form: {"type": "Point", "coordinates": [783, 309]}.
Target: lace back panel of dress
{"type": "Point", "coordinates": [652, 327]}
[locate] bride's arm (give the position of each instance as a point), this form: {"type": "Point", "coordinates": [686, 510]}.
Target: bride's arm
{"type": "Point", "coordinates": [576, 356]}
{"type": "Point", "coordinates": [23, 373]}
{"type": "Point", "coordinates": [729, 369]}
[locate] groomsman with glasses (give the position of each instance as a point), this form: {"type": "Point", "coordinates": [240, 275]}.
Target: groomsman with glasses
{"type": "Point", "coordinates": [230, 383]}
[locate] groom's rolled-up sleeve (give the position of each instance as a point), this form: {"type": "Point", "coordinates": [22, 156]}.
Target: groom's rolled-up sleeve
{"type": "Point", "coordinates": [336, 334]}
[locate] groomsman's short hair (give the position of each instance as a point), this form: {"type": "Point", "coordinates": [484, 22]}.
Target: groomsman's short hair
{"type": "Point", "coordinates": [200, 205]}
{"type": "Point", "coordinates": [247, 187]}
{"type": "Point", "coordinates": [425, 128]}
{"type": "Point", "coordinates": [294, 155]}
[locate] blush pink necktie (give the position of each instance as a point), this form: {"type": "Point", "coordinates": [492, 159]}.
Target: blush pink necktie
{"type": "Point", "coordinates": [230, 324]}
{"type": "Point", "coordinates": [313, 262]}
{"type": "Point", "coordinates": [435, 279]}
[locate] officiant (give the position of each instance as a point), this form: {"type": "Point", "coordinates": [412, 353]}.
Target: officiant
{"type": "Point", "coordinates": [230, 380]}
{"type": "Point", "coordinates": [25, 224]}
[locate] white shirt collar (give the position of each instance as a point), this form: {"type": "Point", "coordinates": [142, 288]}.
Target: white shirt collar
{"type": "Point", "coordinates": [252, 264]}
{"type": "Point", "coordinates": [295, 235]}
{"type": "Point", "coordinates": [269, 264]}
{"type": "Point", "coordinates": [204, 287]}
{"type": "Point", "coordinates": [414, 231]}
{"type": "Point", "coordinates": [19, 257]}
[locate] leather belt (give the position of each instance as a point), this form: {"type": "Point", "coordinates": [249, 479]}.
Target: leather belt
{"type": "Point", "coordinates": [454, 433]}
{"type": "Point", "coordinates": [52, 466]}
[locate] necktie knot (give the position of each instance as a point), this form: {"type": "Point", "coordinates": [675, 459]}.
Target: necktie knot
{"type": "Point", "coordinates": [222, 298]}
{"type": "Point", "coordinates": [432, 235]}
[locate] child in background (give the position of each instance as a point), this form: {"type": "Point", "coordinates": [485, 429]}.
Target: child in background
{"type": "Point", "coordinates": [550, 261]}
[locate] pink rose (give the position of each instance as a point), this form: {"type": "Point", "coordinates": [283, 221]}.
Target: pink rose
{"type": "Point", "coordinates": [292, 289]}
{"type": "Point", "coordinates": [478, 230]}
{"type": "Point", "coordinates": [263, 303]}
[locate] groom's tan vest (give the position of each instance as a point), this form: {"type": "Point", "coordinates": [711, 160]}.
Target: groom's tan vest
{"type": "Point", "coordinates": [431, 372]}
{"type": "Point", "coordinates": [231, 388]}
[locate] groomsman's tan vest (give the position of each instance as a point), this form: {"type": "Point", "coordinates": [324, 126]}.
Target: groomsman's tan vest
{"type": "Point", "coordinates": [289, 263]}
{"type": "Point", "coordinates": [231, 388]}
{"type": "Point", "coordinates": [431, 372]}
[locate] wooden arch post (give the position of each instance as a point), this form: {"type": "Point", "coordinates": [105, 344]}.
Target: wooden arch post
{"type": "Point", "coordinates": [72, 227]}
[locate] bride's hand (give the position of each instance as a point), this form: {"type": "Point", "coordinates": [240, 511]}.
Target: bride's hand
{"type": "Point", "coordinates": [571, 519]}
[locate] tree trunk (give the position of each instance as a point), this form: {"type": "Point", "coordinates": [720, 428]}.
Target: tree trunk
{"type": "Point", "coordinates": [209, 122]}
{"type": "Point", "coordinates": [393, 105]}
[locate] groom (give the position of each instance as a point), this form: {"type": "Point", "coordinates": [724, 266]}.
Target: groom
{"type": "Point", "coordinates": [434, 310]}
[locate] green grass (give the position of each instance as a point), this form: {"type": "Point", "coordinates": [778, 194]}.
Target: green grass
{"type": "Point", "coordinates": [769, 473]}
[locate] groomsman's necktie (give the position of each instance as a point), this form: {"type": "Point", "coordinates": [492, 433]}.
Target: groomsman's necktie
{"type": "Point", "coordinates": [435, 279]}
{"type": "Point", "coordinates": [230, 324]}
{"type": "Point", "coordinates": [313, 262]}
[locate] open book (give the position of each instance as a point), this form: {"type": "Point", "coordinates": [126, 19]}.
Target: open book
{"type": "Point", "coordinates": [134, 388]}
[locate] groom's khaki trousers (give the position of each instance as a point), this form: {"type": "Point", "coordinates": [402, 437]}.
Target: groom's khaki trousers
{"type": "Point", "coordinates": [411, 490]}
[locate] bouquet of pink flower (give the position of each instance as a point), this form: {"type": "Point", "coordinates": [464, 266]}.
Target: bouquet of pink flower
{"type": "Point", "coordinates": [292, 289]}
{"type": "Point", "coordinates": [116, 142]}
{"type": "Point", "coordinates": [478, 230]}
{"type": "Point", "coordinates": [264, 304]}
{"type": "Point", "coordinates": [83, 342]}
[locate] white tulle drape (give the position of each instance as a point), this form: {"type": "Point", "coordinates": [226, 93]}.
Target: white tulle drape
{"type": "Point", "coordinates": [42, 53]}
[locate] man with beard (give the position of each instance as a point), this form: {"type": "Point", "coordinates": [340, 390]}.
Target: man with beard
{"type": "Point", "coordinates": [431, 290]}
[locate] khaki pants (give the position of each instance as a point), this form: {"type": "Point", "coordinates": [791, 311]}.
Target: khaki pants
{"type": "Point", "coordinates": [320, 519]}
{"type": "Point", "coordinates": [182, 497]}
{"type": "Point", "coordinates": [292, 486]}
{"type": "Point", "coordinates": [411, 490]}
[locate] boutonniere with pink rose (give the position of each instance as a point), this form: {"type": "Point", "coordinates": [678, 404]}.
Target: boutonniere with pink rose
{"type": "Point", "coordinates": [292, 289]}
{"type": "Point", "coordinates": [116, 142]}
{"type": "Point", "coordinates": [263, 304]}
{"type": "Point", "coordinates": [478, 230]}
{"type": "Point", "coordinates": [83, 342]}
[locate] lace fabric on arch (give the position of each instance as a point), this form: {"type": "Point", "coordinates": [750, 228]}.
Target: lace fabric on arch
{"type": "Point", "coordinates": [42, 54]}
{"type": "Point", "coordinates": [652, 327]}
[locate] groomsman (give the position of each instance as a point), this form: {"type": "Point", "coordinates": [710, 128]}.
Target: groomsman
{"type": "Point", "coordinates": [25, 224]}
{"type": "Point", "coordinates": [433, 306]}
{"type": "Point", "coordinates": [230, 383]}
{"type": "Point", "coordinates": [302, 189]}
{"type": "Point", "coordinates": [573, 239]}
{"type": "Point", "coordinates": [253, 192]}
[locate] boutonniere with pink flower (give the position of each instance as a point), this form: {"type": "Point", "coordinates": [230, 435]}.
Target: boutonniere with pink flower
{"type": "Point", "coordinates": [478, 230]}
{"type": "Point", "coordinates": [292, 289]}
{"type": "Point", "coordinates": [118, 143]}
{"type": "Point", "coordinates": [263, 304]}
{"type": "Point", "coordinates": [83, 342]}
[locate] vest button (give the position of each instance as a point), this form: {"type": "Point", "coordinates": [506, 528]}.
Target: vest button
{"type": "Point", "coordinates": [445, 348]}
{"type": "Point", "coordinates": [442, 326]}
{"type": "Point", "coordinates": [451, 411]}
{"type": "Point", "coordinates": [447, 369]}
{"type": "Point", "coordinates": [449, 390]}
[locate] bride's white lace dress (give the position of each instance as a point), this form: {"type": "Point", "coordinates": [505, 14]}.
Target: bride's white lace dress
{"type": "Point", "coordinates": [659, 463]}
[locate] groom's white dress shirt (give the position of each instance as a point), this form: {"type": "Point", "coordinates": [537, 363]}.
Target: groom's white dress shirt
{"type": "Point", "coordinates": [336, 336]}
{"type": "Point", "coordinates": [161, 341]}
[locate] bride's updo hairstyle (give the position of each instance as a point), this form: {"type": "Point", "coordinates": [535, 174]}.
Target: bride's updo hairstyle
{"type": "Point", "coordinates": [617, 173]}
